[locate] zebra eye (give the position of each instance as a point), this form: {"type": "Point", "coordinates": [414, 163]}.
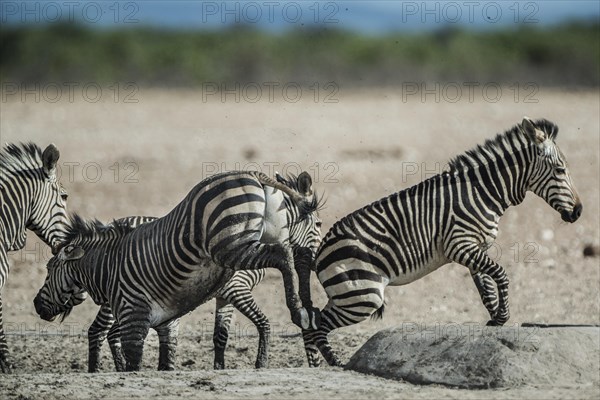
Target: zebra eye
{"type": "Point", "coordinates": [560, 170]}
{"type": "Point", "coordinates": [318, 224]}
{"type": "Point", "coordinates": [64, 196]}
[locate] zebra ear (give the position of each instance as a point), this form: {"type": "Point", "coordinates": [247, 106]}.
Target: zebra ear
{"type": "Point", "coordinates": [50, 157]}
{"type": "Point", "coordinates": [73, 253]}
{"type": "Point", "coordinates": [537, 135]}
{"type": "Point", "coordinates": [305, 184]}
{"type": "Point", "coordinates": [280, 178]}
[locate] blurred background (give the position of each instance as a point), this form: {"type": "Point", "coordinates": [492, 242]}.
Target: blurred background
{"type": "Point", "coordinates": [146, 98]}
{"type": "Point", "coordinates": [354, 43]}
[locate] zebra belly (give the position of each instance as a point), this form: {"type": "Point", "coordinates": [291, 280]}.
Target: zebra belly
{"type": "Point", "coordinates": [199, 287]}
{"type": "Point", "coordinates": [437, 260]}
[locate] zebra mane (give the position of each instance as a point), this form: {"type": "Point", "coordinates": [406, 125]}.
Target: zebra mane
{"type": "Point", "coordinates": [317, 203]}
{"type": "Point", "coordinates": [494, 148]}
{"type": "Point", "coordinates": [81, 228]}
{"type": "Point", "coordinates": [14, 157]}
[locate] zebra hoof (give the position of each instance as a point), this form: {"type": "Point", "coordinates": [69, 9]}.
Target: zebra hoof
{"type": "Point", "coordinates": [492, 322]}
{"type": "Point", "coordinates": [5, 365]}
{"type": "Point", "coordinates": [301, 318]}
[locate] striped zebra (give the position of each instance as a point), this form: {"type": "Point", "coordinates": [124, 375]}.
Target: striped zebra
{"type": "Point", "coordinates": [451, 217]}
{"type": "Point", "coordinates": [237, 293]}
{"type": "Point", "coordinates": [165, 268]}
{"type": "Point", "coordinates": [30, 198]}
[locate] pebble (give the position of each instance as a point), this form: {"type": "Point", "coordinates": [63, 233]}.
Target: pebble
{"type": "Point", "coordinates": [589, 250]}
{"type": "Point", "coordinates": [547, 234]}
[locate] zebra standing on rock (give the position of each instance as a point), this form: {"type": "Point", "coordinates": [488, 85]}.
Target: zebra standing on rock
{"type": "Point", "coordinates": [166, 268]}
{"type": "Point", "coordinates": [30, 198]}
{"type": "Point", "coordinates": [451, 217]}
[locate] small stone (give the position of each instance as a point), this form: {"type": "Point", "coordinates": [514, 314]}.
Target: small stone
{"type": "Point", "coordinates": [547, 234]}
{"type": "Point", "coordinates": [589, 250]}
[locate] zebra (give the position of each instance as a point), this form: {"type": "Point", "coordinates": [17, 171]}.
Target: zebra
{"type": "Point", "coordinates": [165, 268]}
{"type": "Point", "coordinates": [237, 293]}
{"type": "Point", "coordinates": [31, 197]}
{"type": "Point", "coordinates": [451, 217]}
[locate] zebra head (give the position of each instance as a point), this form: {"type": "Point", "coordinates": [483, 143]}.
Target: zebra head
{"type": "Point", "coordinates": [304, 223]}
{"type": "Point", "coordinates": [60, 292]}
{"type": "Point", "coordinates": [550, 178]}
{"type": "Point", "coordinates": [48, 217]}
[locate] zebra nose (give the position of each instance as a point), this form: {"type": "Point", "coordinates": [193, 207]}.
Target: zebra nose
{"type": "Point", "coordinates": [37, 304]}
{"type": "Point", "coordinates": [576, 212]}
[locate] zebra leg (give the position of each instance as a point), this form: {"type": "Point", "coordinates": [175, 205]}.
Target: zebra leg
{"type": "Point", "coordinates": [96, 334]}
{"type": "Point", "coordinates": [342, 310]}
{"type": "Point", "coordinates": [303, 259]}
{"type": "Point", "coordinates": [471, 256]}
{"type": "Point", "coordinates": [487, 291]}
{"type": "Point", "coordinates": [114, 342]}
{"type": "Point", "coordinates": [167, 338]}
{"type": "Point", "coordinates": [330, 320]}
{"type": "Point", "coordinates": [257, 255]}
{"type": "Point", "coordinates": [133, 335]}
{"type": "Point", "coordinates": [5, 364]}
{"type": "Point", "coordinates": [311, 349]}
{"type": "Point", "coordinates": [241, 298]}
{"type": "Point", "coordinates": [223, 314]}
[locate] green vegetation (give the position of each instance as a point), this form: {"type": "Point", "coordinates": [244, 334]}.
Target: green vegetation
{"type": "Point", "coordinates": [567, 55]}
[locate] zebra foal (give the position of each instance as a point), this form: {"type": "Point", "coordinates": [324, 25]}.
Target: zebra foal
{"type": "Point", "coordinates": [166, 268]}
{"type": "Point", "coordinates": [30, 198]}
{"type": "Point", "coordinates": [451, 217]}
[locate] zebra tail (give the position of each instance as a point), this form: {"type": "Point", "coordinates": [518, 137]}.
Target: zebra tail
{"type": "Point", "coordinates": [379, 313]}
{"type": "Point", "coordinates": [302, 202]}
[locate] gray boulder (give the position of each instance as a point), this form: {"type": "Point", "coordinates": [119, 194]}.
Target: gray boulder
{"type": "Point", "coordinates": [473, 356]}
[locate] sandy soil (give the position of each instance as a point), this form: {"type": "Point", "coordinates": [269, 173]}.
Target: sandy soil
{"type": "Point", "coordinates": [122, 159]}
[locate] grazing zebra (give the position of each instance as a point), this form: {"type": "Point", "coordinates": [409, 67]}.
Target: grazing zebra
{"type": "Point", "coordinates": [237, 293]}
{"type": "Point", "coordinates": [30, 198]}
{"type": "Point", "coordinates": [451, 217]}
{"type": "Point", "coordinates": [166, 268]}
{"type": "Point", "coordinates": [104, 325]}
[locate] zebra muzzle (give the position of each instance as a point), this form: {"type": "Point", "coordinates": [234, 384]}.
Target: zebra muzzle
{"type": "Point", "coordinates": [573, 215]}
{"type": "Point", "coordinates": [42, 311]}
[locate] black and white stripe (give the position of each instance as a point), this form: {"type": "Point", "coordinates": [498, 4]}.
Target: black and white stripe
{"type": "Point", "coordinates": [451, 217]}
{"type": "Point", "coordinates": [237, 293]}
{"type": "Point", "coordinates": [165, 268]}
{"type": "Point", "coordinates": [30, 198]}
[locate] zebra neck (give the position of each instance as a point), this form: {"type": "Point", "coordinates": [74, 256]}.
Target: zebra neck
{"type": "Point", "coordinates": [93, 276]}
{"type": "Point", "coordinates": [14, 205]}
{"type": "Point", "coordinates": [501, 182]}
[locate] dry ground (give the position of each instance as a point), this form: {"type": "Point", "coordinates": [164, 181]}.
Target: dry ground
{"type": "Point", "coordinates": [122, 159]}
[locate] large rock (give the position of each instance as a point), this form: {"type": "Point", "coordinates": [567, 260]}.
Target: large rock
{"type": "Point", "coordinates": [474, 356]}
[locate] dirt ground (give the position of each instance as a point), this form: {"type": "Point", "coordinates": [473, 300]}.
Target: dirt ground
{"type": "Point", "coordinates": [120, 159]}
